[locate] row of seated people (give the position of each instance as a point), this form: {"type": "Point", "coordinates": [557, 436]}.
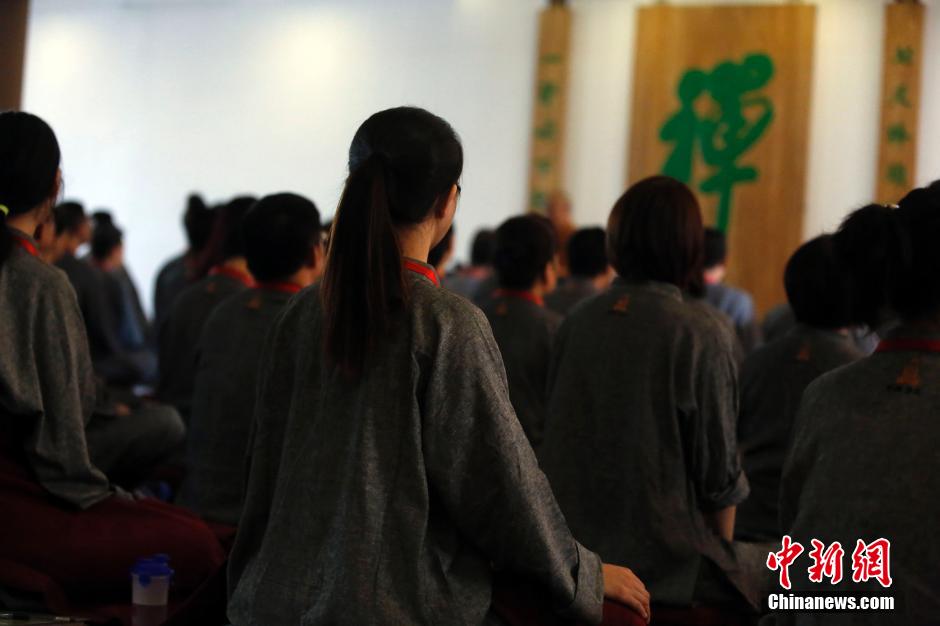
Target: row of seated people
{"type": "Point", "coordinates": [386, 448]}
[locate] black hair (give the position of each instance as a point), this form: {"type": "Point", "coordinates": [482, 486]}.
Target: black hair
{"type": "Point", "coordinates": [893, 258]}
{"type": "Point", "coordinates": [105, 235]}
{"type": "Point", "coordinates": [524, 246]}
{"type": "Point", "coordinates": [587, 252]}
{"type": "Point", "coordinates": [197, 220]}
{"type": "Point", "coordinates": [29, 166]}
{"type": "Point", "coordinates": [716, 248]}
{"type": "Point", "coordinates": [227, 238]}
{"type": "Point", "coordinates": [438, 252]}
{"type": "Point", "coordinates": [655, 233]}
{"type": "Point", "coordinates": [69, 217]}
{"type": "Point", "coordinates": [403, 163]}
{"type": "Point", "coordinates": [868, 242]}
{"type": "Point", "coordinates": [817, 285]}
{"type": "Point", "coordinates": [483, 248]}
{"type": "Point", "coordinates": [280, 232]}
{"type": "Point", "coordinates": [914, 292]}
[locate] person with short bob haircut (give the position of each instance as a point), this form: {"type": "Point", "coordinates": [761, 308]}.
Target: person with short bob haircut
{"type": "Point", "coordinates": [388, 475]}
{"type": "Point", "coordinates": [863, 468]}
{"type": "Point", "coordinates": [774, 377]}
{"type": "Point", "coordinates": [590, 271]}
{"type": "Point", "coordinates": [524, 329]}
{"type": "Point", "coordinates": [640, 444]}
{"type": "Point", "coordinates": [284, 253]}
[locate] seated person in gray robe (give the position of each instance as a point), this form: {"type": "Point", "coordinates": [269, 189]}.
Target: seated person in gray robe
{"type": "Point", "coordinates": [525, 263]}
{"type": "Point", "coordinates": [466, 280]}
{"type": "Point", "coordinates": [774, 377]}
{"type": "Point", "coordinates": [131, 329]}
{"type": "Point", "coordinates": [181, 270]}
{"type": "Point", "coordinates": [283, 251]}
{"type": "Point", "coordinates": [589, 271]}
{"type": "Point", "coordinates": [178, 336]}
{"type": "Point", "coordinates": [95, 292]}
{"type": "Point", "coordinates": [733, 302]}
{"type": "Point", "coordinates": [47, 398]}
{"type": "Point", "coordinates": [640, 444]}
{"type": "Point", "coordinates": [863, 466]}
{"type": "Point", "coordinates": [389, 478]}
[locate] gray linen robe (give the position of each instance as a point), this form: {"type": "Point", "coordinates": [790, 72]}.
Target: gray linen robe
{"type": "Point", "coordinates": [224, 402]}
{"type": "Point", "coordinates": [865, 464]}
{"type": "Point", "coordinates": [47, 385]}
{"type": "Point", "coordinates": [773, 379]}
{"type": "Point", "coordinates": [392, 500]}
{"type": "Point", "coordinates": [524, 332]}
{"type": "Point", "coordinates": [570, 293]}
{"type": "Point", "coordinates": [179, 338]}
{"type": "Point", "coordinates": [170, 283]}
{"type": "Point", "coordinates": [640, 439]}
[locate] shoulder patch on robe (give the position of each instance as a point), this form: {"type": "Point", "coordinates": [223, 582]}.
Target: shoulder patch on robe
{"type": "Point", "coordinates": [502, 309]}
{"type": "Point", "coordinates": [621, 305]}
{"type": "Point", "coordinates": [908, 381]}
{"type": "Point", "coordinates": [804, 355]}
{"type": "Point", "coordinates": [254, 303]}
{"type": "Point", "coordinates": [211, 287]}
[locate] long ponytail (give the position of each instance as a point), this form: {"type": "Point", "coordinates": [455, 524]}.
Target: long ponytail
{"type": "Point", "coordinates": [402, 163]}
{"type": "Point", "coordinates": [363, 281]}
{"type": "Point", "coordinates": [29, 165]}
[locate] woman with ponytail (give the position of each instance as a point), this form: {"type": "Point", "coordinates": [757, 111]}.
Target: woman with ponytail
{"type": "Point", "coordinates": [389, 477]}
{"type": "Point", "coordinates": [60, 513]}
{"type": "Point", "coordinates": [863, 466]}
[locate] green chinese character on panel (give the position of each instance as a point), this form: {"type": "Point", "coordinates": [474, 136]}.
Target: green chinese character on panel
{"type": "Point", "coordinates": [897, 174]}
{"type": "Point", "coordinates": [552, 58]}
{"type": "Point", "coordinates": [897, 133]}
{"type": "Point", "coordinates": [901, 97]}
{"type": "Point", "coordinates": [546, 131]}
{"type": "Point", "coordinates": [537, 201]}
{"type": "Point", "coordinates": [904, 55]}
{"type": "Point", "coordinates": [547, 92]}
{"type": "Point", "coordinates": [543, 166]}
{"type": "Point", "coordinates": [736, 120]}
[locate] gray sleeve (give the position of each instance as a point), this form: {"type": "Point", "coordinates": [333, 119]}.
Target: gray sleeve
{"type": "Point", "coordinates": [264, 448]}
{"type": "Point", "coordinates": [716, 470]}
{"type": "Point", "coordinates": [56, 448]}
{"type": "Point", "coordinates": [482, 468]}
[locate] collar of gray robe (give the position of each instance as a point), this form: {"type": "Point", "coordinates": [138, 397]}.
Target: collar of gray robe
{"type": "Point", "coordinates": [28, 238]}
{"type": "Point", "coordinates": [423, 264]}
{"type": "Point", "coordinates": [651, 286]}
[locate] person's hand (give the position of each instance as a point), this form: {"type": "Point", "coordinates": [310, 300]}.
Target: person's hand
{"type": "Point", "coordinates": [622, 585]}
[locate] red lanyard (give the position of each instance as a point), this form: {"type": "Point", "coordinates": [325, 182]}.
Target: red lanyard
{"type": "Point", "coordinates": [424, 270]}
{"type": "Point", "coordinates": [908, 345]}
{"type": "Point", "coordinates": [521, 295]}
{"type": "Point", "coordinates": [242, 277]}
{"type": "Point", "coordinates": [283, 287]}
{"type": "Point", "coordinates": [26, 244]}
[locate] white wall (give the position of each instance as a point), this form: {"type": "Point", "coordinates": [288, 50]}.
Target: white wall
{"type": "Point", "coordinates": [154, 98]}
